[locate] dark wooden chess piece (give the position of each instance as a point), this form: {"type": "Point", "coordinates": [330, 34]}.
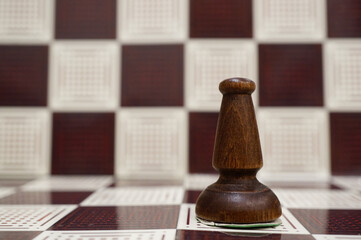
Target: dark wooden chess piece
{"type": "Point", "coordinates": [237, 197]}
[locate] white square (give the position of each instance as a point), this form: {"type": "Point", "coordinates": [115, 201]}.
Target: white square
{"type": "Point", "coordinates": [84, 75]}
{"type": "Point", "coordinates": [209, 63]}
{"type": "Point", "coordinates": [151, 143]}
{"type": "Point", "coordinates": [68, 183]}
{"type": "Point", "coordinates": [342, 75]}
{"type": "Point", "coordinates": [150, 234]}
{"type": "Point", "coordinates": [336, 237]}
{"type": "Point", "coordinates": [199, 181]}
{"type": "Point", "coordinates": [294, 143]}
{"type": "Point", "coordinates": [26, 21]}
{"type": "Point", "coordinates": [187, 221]}
{"type": "Point", "coordinates": [290, 20]}
{"type": "Point", "coordinates": [153, 21]}
{"type": "Point", "coordinates": [135, 196]}
{"type": "Point", "coordinates": [31, 217]}
{"type": "Point", "coordinates": [24, 142]}
{"type": "Point", "coordinates": [348, 182]}
{"type": "Point", "coordinates": [6, 191]}
{"type": "Point", "coordinates": [318, 199]}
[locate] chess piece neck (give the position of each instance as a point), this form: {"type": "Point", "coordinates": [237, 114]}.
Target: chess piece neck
{"type": "Point", "coordinates": [237, 143]}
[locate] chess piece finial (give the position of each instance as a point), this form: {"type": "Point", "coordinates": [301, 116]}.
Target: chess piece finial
{"type": "Point", "coordinates": [237, 196]}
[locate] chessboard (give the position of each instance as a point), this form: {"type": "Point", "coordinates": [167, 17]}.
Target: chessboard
{"type": "Point", "coordinates": [105, 208]}
{"type": "Point", "coordinates": [117, 87]}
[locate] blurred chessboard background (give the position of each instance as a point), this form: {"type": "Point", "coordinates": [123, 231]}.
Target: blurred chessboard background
{"type": "Point", "coordinates": [130, 87]}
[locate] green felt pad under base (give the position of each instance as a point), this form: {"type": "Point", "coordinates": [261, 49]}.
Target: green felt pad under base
{"type": "Point", "coordinates": [275, 223]}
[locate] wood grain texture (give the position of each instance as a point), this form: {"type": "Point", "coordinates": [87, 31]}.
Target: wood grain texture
{"type": "Point", "coordinates": [237, 196]}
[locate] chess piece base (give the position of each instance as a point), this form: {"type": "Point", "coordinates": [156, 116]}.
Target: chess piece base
{"type": "Point", "coordinates": [238, 201]}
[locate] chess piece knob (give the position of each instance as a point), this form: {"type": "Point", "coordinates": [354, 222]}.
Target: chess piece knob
{"type": "Point", "coordinates": [237, 197]}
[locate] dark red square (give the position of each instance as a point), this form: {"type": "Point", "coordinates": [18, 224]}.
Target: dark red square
{"type": "Point", "coordinates": [325, 221]}
{"type": "Point", "coordinates": [345, 143]}
{"type": "Point", "coordinates": [83, 19]}
{"type": "Point", "coordinates": [208, 235]}
{"type": "Point", "coordinates": [202, 133]}
{"type": "Point", "coordinates": [221, 18]}
{"type": "Point", "coordinates": [83, 143]}
{"type": "Point", "coordinates": [191, 196]}
{"type": "Point", "coordinates": [152, 75]}
{"type": "Point", "coordinates": [45, 198]}
{"type": "Point", "coordinates": [120, 218]}
{"type": "Point", "coordinates": [290, 75]}
{"type": "Point", "coordinates": [23, 75]}
{"type": "Point", "coordinates": [344, 18]}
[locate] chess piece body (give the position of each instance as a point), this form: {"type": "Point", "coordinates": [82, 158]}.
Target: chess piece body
{"type": "Point", "coordinates": [237, 196]}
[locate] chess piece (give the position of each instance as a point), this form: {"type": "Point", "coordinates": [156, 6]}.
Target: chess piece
{"type": "Point", "coordinates": [237, 197]}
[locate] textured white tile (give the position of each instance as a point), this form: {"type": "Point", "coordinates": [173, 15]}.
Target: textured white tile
{"type": "Point", "coordinates": [342, 75]}
{"type": "Point", "coordinates": [336, 237]}
{"type": "Point", "coordinates": [135, 196]}
{"type": "Point", "coordinates": [6, 191]}
{"type": "Point", "coordinates": [157, 20]}
{"type": "Point", "coordinates": [84, 75]}
{"type": "Point", "coordinates": [187, 221]}
{"type": "Point", "coordinates": [318, 198]}
{"type": "Point", "coordinates": [31, 217]}
{"type": "Point", "coordinates": [210, 62]}
{"type": "Point", "coordinates": [164, 234]}
{"type": "Point", "coordinates": [199, 181]}
{"type": "Point", "coordinates": [294, 142]}
{"type": "Point", "coordinates": [290, 20]}
{"type": "Point", "coordinates": [151, 143]}
{"type": "Point", "coordinates": [68, 183]}
{"type": "Point", "coordinates": [24, 142]}
{"type": "Point", "coordinates": [348, 182]}
{"type": "Point", "coordinates": [26, 21]}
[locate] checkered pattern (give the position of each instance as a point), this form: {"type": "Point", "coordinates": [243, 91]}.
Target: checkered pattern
{"type": "Point", "coordinates": [129, 87]}
{"type": "Point", "coordinates": [93, 207]}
